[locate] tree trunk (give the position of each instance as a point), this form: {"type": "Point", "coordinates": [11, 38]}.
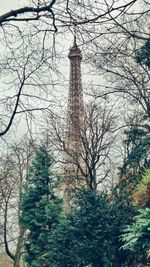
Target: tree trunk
{"type": "Point", "coordinates": [19, 248]}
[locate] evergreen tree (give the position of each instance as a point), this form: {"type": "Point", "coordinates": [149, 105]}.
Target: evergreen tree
{"type": "Point", "coordinates": [143, 54]}
{"type": "Point", "coordinates": [138, 147]}
{"type": "Point", "coordinates": [90, 235]}
{"type": "Point", "coordinates": [136, 236]}
{"type": "Point", "coordinates": [41, 209]}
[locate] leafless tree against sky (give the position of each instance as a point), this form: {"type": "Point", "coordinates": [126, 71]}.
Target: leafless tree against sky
{"type": "Point", "coordinates": [97, 141]}
{"type": "Point", "coordinates": [31, 38]}
{"type": "Point", "coordinates": [115, 53]}
{"type": "Point", "coordinates": [14, 167]}
{"type": "Point", "coordinates": [113, 58]}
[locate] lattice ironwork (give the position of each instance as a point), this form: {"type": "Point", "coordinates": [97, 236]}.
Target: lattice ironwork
{"type": "Point", "coordinates": [75, 117]}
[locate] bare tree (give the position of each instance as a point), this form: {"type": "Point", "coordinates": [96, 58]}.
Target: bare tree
{"type": "Point", "coordinates": [123, 77]}
{"type": "Point", "coordinates": [37, 10]}
{"type": "Point", "coordinates": [30, 35]}
{"type": "Point", "coordinates": [92, 159]}
{"type": "Point", "coordinates": [14, 169]}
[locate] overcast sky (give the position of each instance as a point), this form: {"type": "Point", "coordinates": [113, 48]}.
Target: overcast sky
{"type": "Point", "coordinates": [7, 5]}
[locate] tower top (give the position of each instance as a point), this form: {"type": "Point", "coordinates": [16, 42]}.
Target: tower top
{"type": "Point", "coordinates": [75, 40]}
{"type": "Point", "coordinates": [75, 51]}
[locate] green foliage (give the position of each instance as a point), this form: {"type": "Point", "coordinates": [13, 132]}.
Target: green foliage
{"type": "Point", "coordinates": [134, 187]}
{"type": "Point", "coordinates": [138, 144]}
{"type": "Point", "coordinates": [138, 147]}
{"type": "Point", "coordinates": [134, 136]}
{"type": "Point", "coordinates": [41, 209]}
{"type": "Point", "coordinates": [141, 195]}
{"type": "Point", "coordinates": [90, 233]}
{"type": "Point", "coordinates": [137, 235]}
{"type": "Point", "coordinates": [143, 54]}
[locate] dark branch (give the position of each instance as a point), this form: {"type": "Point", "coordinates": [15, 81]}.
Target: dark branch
{"type": "Point", "coordinates": [24, 10]}
{"type": "Point", "coordinates": [14, 111]}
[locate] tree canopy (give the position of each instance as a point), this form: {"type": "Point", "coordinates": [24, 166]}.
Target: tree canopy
{"type": "Point", "coordinates": [90, 234]}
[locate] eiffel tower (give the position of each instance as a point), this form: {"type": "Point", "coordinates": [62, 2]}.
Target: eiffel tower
{"type": "Point", "coordinates": [75, 118]}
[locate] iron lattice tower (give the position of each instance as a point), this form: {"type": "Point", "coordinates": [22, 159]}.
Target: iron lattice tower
{"type": "Point", "coordinates": [75, 117]}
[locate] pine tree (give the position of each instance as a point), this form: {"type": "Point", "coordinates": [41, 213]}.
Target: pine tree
{"type": "Point", "coordinates": [90, 233]}
{"type": "Point", "coordinates": [41, 209]}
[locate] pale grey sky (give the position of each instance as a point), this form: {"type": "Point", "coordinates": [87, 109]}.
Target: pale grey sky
{"type": "Point", "coordinates": [7, 5]}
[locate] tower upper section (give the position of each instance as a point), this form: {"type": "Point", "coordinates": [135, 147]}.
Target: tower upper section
{"type": "Point", "coordinates": [75, 51]}
{"type": "Point", "coordinates": [75, 97]}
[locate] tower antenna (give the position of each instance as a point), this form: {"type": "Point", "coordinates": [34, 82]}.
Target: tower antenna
{"type": "Point", "coordinates": [75, 36]}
